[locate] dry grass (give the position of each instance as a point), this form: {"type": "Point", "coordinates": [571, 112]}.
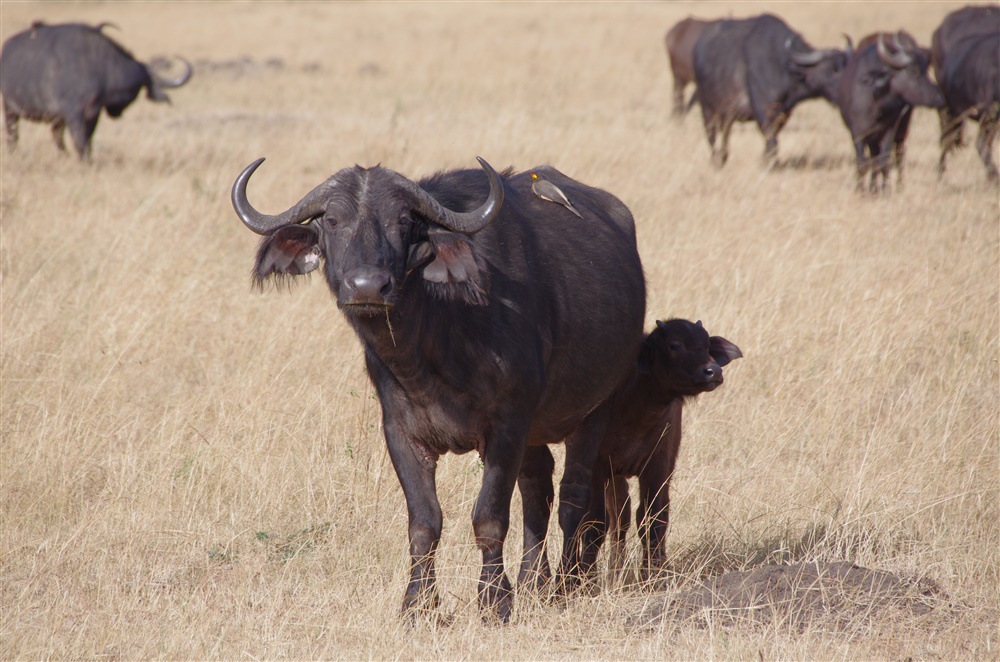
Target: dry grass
{"type": "Point", "coordinates": [193, 470]}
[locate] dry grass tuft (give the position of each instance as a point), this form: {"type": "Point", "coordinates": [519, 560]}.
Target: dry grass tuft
{"type": "Point", "coordinates": [191, 469]}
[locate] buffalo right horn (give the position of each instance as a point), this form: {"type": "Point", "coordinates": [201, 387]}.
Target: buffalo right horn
{"type": "Point", "coordinates": [897, 60]}
{"type": "Point", "coordinates": [850, 44]}
{"type": "Point", "coordinates": [464, 222]}
{"type": "Point", "coordinates": [309, 207]}
{"type": "Point", "coordinates": [807, 59]}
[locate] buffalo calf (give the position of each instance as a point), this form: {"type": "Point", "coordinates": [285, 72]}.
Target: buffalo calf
{"type": "Point", "coordinates": [641, 424]}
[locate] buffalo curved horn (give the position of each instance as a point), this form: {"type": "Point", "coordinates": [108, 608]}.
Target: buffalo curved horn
{"type": "Point", "coordinates": [309, 207]}
{"type": "Point", "coordinates": [180, 80]}
{"type": "Point", "coordinates": [807, 59]}
{"type": "Point", "coordinates": [464, 222]}
{"type": "Point", "coordinates": [897, 60]}
{"type": "Point", "coordinates": [850, 44]}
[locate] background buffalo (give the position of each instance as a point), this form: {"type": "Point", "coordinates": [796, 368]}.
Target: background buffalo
{"type": "Point", "coordinates": [66, 75]}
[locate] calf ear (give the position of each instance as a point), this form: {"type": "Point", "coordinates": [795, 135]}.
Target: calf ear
{"type": "Point", "coordinates": [722, 350]}
{"type": "Point", "coordinates": [456, 272]}
{"type": "Point", "coordinates": [290, 251]}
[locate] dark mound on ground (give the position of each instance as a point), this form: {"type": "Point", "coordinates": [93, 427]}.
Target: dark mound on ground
{"type": "Point", "coordinates": [826, 595]}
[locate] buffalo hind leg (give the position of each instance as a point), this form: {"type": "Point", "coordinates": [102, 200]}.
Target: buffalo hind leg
{"type": "Point", "coordinates": [575, 491]}
{"type": "Point", "coordinates": [10, 120]}
{"type": "Point", "coordinates": [537, 495]}
{"type": "Point", "coordinates": [989, 129]}
{"type": "Point", "coordinates": [951, 136]}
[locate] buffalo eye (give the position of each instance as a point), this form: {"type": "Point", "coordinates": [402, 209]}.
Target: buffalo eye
{"type": "Point", "coordinates": [330, 221]}
{"type": "Point", "coordinates": [674, 346]}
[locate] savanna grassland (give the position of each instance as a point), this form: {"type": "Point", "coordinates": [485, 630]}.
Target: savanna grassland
{"type": "Point", "coordinates": [194, 470]}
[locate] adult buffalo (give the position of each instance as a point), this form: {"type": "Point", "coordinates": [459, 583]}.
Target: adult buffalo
{"type": "Point", "coordinates": [758, 69]}
{"type": "Point", "coordinates": [65, 74]}
{"type": "Point", "coordinates": [680, 41]}
{"type": "Point", "coordinates": [482, 309]}
{"type": "Point", "coordinates": [885, 78]}
{"type": "Point", "coordinates": [965, 56]}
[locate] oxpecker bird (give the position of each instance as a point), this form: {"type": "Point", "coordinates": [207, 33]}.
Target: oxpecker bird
{"type": "Point", "coordinates": [549, 192]}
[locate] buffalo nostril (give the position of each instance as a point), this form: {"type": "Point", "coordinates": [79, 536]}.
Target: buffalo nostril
{"type": "Point", "coordinates": [368, 286]}
{"type": "Point", "coordinates": [710, 372]}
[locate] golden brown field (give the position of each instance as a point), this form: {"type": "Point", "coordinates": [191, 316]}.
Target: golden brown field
{"type": "Point", "coordinates": [193, 470]}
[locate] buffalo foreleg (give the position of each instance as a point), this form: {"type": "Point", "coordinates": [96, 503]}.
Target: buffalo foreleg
{"type": "Point", "coordinates": [416, 476]}
{"type": "Point", "coordinates": [81, 127]}
{"type": "Point", "coordinates": [58, 134]}
{"type": "Point", "coordinates": [537, 495]}
{"type": "Point", "coordinates": [502, 457]}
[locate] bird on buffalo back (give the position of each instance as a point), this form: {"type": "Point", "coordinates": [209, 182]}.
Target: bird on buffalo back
{"type": "Point", "coordinates": [549, 192]}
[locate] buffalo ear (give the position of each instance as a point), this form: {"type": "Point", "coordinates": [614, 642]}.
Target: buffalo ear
{"type": "Point", "coordinates": [456, 272]}
{"type": "Point", "coordinates": [289, 251]}
{"type": "Point", "coordinates": [722, 350]}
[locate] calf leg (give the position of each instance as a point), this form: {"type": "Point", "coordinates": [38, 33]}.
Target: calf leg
{"type": "Point", "coordinates": [653, 513]}
{"type": "Point", "coordinates": [619, 509]}
{"type": "Point", "coordinates": [595, 523]}
{"type": "Point", "coordinates": [678, 109]}
{"type": "Point", "coordinates": [537, 495]}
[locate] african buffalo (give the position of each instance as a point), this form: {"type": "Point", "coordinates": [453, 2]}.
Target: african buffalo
{"type": "Point", "coordinates": [758, 69]}
{"type": "Point", "coordinates": [885, 78]}
{"type": "Point", "coordinates": [482, 309]}
{"type": "Point", "coordinates": [680, 41]}
{"type": "Point", "coordinates": [965, 56]}
{"type": "Point", "coordinates": [65, 74]}
{"type": "Point", "coordinates": [642, 435]}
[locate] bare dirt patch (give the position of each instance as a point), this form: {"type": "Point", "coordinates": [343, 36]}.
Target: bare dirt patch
{"type": "Point", "coordinates": [828, 595]}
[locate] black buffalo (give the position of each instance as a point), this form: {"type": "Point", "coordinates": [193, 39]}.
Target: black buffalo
{"type": "Point", "coordinates": [65, 74]}
{"type": "Point", "coordinates": [758, 69]}
{"type": "Point", "coordinates": [642, 435]}
{"type": "Point", "coordinates": [680, 41]}
{"type": "Point", "coordinates": [965, 56]}
{"type": "Point", "coordinates": [885, 78]}
{"type": "Point", "coordinates": [491, 320]}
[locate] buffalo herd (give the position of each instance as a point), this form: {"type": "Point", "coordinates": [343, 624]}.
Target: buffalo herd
{"type": "Point", "coordinates": [483, 299]}
{"type": "Point", "coordinates": [758, 69]}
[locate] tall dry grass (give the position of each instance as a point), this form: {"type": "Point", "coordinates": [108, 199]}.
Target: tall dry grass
{"type": "Point", "coordinates": [194, 470]}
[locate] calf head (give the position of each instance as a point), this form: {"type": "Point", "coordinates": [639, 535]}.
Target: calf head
{"type": "Point", "coordinates": [683, 359]}
{"type": "Point", "coordinates": [905, 73]}
{"type": "Point", "coordinates": [372, 227]}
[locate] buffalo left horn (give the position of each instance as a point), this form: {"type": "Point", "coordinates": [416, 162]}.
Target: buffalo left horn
{"type": "Point", "coordinates": [180, 80]}
{"type": "Point", "coordinates": [897, 60]}
{"type": "Point", "coordinates": [464, 222]}
{"type": "Point", "coordinates": [850, 44]}
{"type": "Point", "coordinates": [307, 208]}
{"type": "Point", "coordinates": [804, 59]}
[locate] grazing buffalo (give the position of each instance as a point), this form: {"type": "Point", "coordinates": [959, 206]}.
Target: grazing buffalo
{"type": "Point", "coordinates": [885, 78]}
{"type": "Point", "coordinates": [680, 41]}
{"type": "Point", "coordinates": [491, 320]}
{"type": "Point", "coordinates": [758, 69]}
{"type": "Point", "coordinates": [965, 56]}
{"type": "Point", "coordinates": [65, 74]}
{"type": "Point", "coordinates": [641, 424]}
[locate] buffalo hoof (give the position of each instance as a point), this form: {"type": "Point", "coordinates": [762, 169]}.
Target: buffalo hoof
{"type": "Point", "coordinates": [496, 601]}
